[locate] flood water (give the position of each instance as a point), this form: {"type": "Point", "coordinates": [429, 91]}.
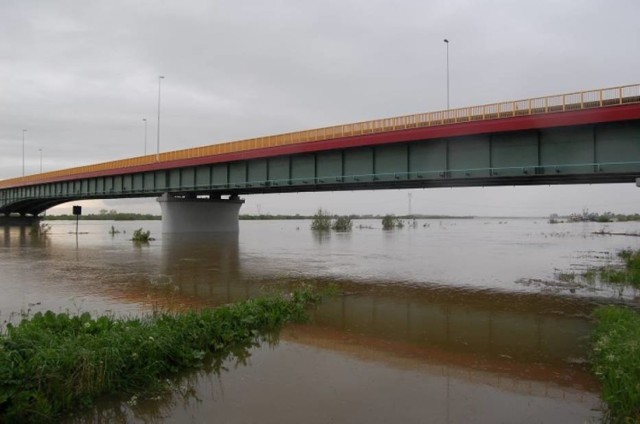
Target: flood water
{"type": "Point", "coordinates": [444, 321]}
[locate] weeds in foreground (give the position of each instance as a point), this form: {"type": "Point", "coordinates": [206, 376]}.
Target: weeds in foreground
{"type": "Point", "coordinates": [615, 353]}
{"type": "Point", "coordinates": [54, 363]}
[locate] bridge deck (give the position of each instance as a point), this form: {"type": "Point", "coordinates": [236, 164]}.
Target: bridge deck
{"type": "Point", "coordinates": [449, 119]}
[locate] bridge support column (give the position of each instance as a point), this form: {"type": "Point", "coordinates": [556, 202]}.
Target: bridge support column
{"type": "Point", "coordinates": [190, 214]}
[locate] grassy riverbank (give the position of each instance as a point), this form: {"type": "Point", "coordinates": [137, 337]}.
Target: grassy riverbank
{"type": "Point", "coordinates": [616, 362]}
{"type": "Point", "coordinates": [616, 344]}
{"type": "Point", "coordinates": [54, 363]}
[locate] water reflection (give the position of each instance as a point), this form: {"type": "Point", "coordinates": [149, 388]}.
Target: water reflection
{"type": "Point", "coordinates": [526, 336]}
{"type": "Point", "coordinates": [448, 352]}
{"type": "Point", "coordinates": [16, 235]}
{"type": "Point", "coordinates": [395, 347]}
{"type": "Point", "coordinates": [321, 237]}
{"type": "Point", "coordinates": [199, 265]}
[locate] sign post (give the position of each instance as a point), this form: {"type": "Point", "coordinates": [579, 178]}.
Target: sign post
{"type": "Point", "coordinates": [77, 211]}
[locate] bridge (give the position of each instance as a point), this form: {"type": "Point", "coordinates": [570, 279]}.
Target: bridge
{"type": "Point", "coordinates": [581, 137]}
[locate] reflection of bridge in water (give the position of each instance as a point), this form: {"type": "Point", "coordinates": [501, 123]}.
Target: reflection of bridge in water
{"type": "Point", "coordinates": [523, 343]}
{"type": "Point", "coordinates": [479, 332]}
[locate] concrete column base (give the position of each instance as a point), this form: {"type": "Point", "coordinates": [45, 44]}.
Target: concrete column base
{"type": "Point", "coordinates": [193, 215]}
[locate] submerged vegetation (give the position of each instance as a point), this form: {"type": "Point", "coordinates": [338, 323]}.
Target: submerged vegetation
{"type": "Point", "coordinates": [629, 274]}
{"type": "Point", "coordinates": [324, 221]}
{"type": "Point", "coordinates": [621, 273]}
{"type": "Point", "coordinates": [615, 357]}
{"type": "Point", "coordinates": [40, 229]}
{"type": "Point", "coordinates": [342, 223]}
{"type": "Point", "coordinates": [625, 274]}
{"type": "Point", "coordinates": [389, 222]}
{"type": "Point", "coordinates": [51, 363]}
{"type": "Point", "coordinates": [141, 236]}
{"type": "Point", "coordinates": [321, 221]}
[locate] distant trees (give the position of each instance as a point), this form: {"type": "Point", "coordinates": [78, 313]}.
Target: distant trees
{"type": "Point", "coordinates": [106, 215]}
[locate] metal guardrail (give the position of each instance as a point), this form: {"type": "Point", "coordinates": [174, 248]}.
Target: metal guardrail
{"type": "Point", "coordinates": [614, 96]}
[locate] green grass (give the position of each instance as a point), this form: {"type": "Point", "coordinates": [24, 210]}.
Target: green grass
{"type": "Point", "coordinates": [616, 362]}
{"type": "Point", "coordinates": [626, 274]}
{"type": "Point", "coordinates": [631, 273]}
{"type": "Point", "coordinates": [51, 363]}
{"type": "Point", "coordinates": [616, 344]}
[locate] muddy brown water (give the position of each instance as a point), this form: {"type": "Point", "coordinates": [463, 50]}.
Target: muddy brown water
{"type": "Point", "coordinates": [450, 321]}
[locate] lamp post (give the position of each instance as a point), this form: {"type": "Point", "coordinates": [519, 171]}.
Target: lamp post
{"type": "Point", "coordinates": [447, 43]}
{"type": "Point", "coordinates": [23, 131]}
{"type": "Point", "coordinates": [40, 150]}
{"type": "Point", "coordinates": [145, 135]}
{"type": "Point", "coordinates": [160, 78]}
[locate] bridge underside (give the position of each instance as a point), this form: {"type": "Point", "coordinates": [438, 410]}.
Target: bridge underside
{"type": "Point", "coordinates": [600, 153]}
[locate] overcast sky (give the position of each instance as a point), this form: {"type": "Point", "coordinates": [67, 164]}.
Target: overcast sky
{"type": "Point", "coordinates": [81, 75]}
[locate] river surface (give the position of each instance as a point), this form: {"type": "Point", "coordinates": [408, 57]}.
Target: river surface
{"type": "Point", "coordinates": [443, 321]}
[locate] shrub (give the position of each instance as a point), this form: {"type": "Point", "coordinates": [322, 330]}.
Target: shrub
{"type": "Point", "coordinates": [342, 223]}
{"type": "Point", "coordinates": [141, 236]}
{"type": "Point", "coordinates": [389, 222]}
{"type": "Point", "coordinates": [321, 221]}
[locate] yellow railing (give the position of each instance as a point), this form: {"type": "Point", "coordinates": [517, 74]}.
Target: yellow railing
{"type": "Point", "coordinates": [550, 104]}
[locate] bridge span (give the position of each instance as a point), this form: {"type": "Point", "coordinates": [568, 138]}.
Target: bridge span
{"type": "Point", "coordinates": [583, 137]}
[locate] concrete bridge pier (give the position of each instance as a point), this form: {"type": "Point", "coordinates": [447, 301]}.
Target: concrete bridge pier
{"type": "Point", "coordinates": [188, 213]}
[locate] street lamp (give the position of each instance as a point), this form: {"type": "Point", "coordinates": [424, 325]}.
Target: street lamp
{"type": "Point", "coordinates": [40, 150]}
{"type": "Point", "coordinates": [447, 43]}
{"type": "Point", "coordinates": [160, 78]}
{"type": "Point", "coordinates": [23, 131]}
{"type": "Point", "coordinates": [145, 135]}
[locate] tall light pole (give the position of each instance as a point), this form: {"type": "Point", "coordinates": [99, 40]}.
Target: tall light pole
{"type": "Point", "coordinates": [447, 43]}
{"type": "Point", "coordinates": [145, 135]}
{"type": "Point", "coordinates": [160, 78]}
{"type": "Point", "coordinates": [23, 131]}
{"type": "Point", "coordinates": [40, 150]}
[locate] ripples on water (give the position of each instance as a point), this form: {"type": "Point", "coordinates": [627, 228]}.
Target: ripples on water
{"type": "Point", "coordinates": [454, 320]}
